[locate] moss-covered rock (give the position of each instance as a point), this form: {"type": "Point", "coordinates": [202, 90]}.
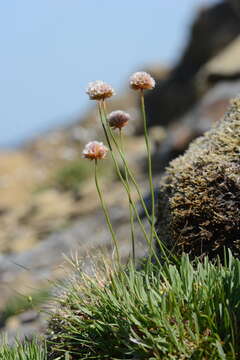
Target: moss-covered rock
{"type": "Point", "coordinates": [199, 201]}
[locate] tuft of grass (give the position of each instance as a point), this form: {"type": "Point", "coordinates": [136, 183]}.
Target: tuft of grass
{"type": "Point", "coordinates": [69, 177]}
{"type": "Point", "coordinates": [72, 175]}
{"type": "Point", "coordinates": [28, 350]}
{"type": "Point", "coordinates": [175, 311]}
{"type": "Point", "coordinates": [21, 303]}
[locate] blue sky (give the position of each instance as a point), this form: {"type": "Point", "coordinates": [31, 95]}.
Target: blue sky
{"type": "Point", "coordinates": [51, 49]}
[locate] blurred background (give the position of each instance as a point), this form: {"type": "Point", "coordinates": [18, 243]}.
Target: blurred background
{"type": "Point", "coordinates": [50, 51]}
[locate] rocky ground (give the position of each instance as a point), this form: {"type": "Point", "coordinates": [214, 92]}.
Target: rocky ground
{"type": "Point", "coordinates": [48, 202]}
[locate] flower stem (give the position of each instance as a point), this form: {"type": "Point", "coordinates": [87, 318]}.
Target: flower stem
{"type": "Point", "coordinates": [105, 210]}
{"type": "Point", "coordinates": [103, 118]}
{"type": "Point", "coordinates": [149, 169]}
{"type": "Point", "coordinates": [104, 127]}
{"type": "Point", "coordinates": [163, 248]}
{"type": "Point", "coordinates": [130, 204]}
{"type": "Point", "coordinates": [128, 169]}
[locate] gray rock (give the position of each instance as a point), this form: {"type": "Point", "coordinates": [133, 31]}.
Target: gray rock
{"type": "Point", "coordinates": [213, 29]}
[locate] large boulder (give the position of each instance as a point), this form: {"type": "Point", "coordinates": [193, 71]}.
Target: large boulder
{"type": "Point", "coordinates": [199, 201]}
{"type": "Point", "coordinates": [236, 5]}
{"type": "Point", "coordinates": [198, 120]}
{"type": "Point", "coordinates": [222, 67]}
{"type": "Point", "coordinates": [213, 29]}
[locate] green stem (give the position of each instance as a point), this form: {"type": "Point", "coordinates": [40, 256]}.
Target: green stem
{"type": "Point", "coordinates": [102, 114]}
{"type": "Point", "coordinates": [163, 248]}
{"type": "Point", "coordinates": [104, 127]}
{"type": "Point", "coordinates": [129, 201]}
{"type": "Point", "coordinates": [105, 210]}
{"type": "Point", "coordinates": [149, 168]}
{"type": "Point", "coordinates": [128, 169]}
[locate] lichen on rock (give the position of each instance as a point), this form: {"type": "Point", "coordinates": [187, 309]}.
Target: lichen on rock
{"type": "Point", "coordinates": [199, 200]}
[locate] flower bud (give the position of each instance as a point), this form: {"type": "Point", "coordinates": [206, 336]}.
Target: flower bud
{"type": "Point", "coordinates": [118, 119]}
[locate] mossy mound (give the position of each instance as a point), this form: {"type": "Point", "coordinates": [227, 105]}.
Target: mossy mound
{"type": "Point", "coordinates": [199, 201]}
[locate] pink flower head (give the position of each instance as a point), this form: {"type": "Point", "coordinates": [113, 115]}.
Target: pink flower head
{"type": "Point", "coordinates": [99, 90]}
{"type": "Point", "coordinates": [142, 81]}
{"type": "Point", "coordinates": [95, 150]}
{"type": "Point", "coordinates": [118, 119]}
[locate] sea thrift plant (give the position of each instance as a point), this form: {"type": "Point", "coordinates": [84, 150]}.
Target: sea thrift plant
{"type": "Point", "coordinates": [143, 81]}
{"type": "Point", "coordinates": [118, 119]}
{"type": "Point", "coordinates": [99, 90]}
{"type": "Point", "coordinates": [177, 312]}
{"type": "Point", "coordinates": [95, 150]}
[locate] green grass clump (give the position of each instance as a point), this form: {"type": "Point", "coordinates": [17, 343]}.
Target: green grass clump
{"type": "Point", "coordinates": [28, 350]}
{"type": "Point", "coordinates": [69, 177]}
{"type": "Point", "coordinates": [72, 175]}
{"type": "Point", "coordinates": [21, 303]}
{"type": "Point", "coordinates": [182, 311]}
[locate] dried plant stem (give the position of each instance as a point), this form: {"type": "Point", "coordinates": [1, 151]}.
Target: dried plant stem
{"type": "Point", "coordinates": [106, 213]}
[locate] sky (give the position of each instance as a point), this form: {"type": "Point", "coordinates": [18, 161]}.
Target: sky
{"type": "Point", "coordinates": [51, 50]}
